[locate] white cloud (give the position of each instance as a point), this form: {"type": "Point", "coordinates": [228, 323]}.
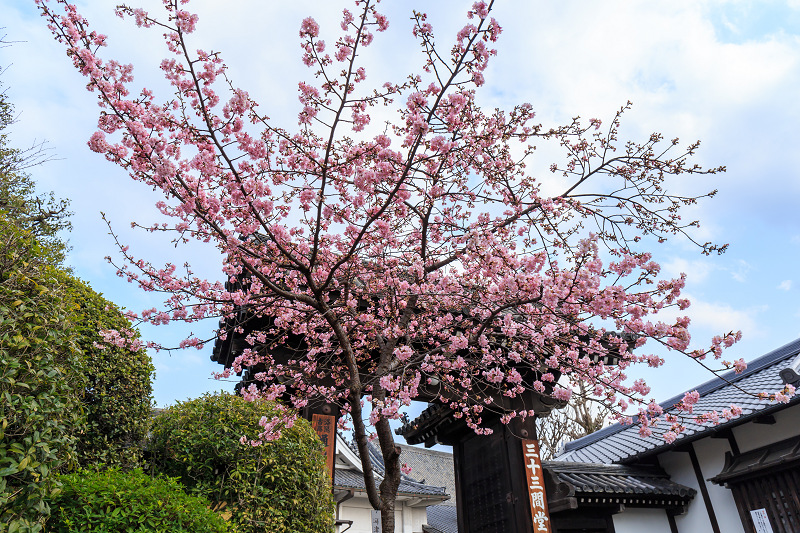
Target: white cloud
{"type": "Point", "coordinates": [785, 285]}
{"type": "Point", "coordinates": [741, 270]}
{"type": "Point", "coordinates": [710, 318]}
{"type": "Point", "coordinates": [697, 271]}
{"type": "Point", "coordinates": [722, 318]}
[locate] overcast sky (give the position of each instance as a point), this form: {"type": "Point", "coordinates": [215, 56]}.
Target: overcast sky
{"type": "Point", "coordinates": [724, 72]}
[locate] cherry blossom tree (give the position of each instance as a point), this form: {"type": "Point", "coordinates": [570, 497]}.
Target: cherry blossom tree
{"type": "Point", "coordinates": [420, 255]}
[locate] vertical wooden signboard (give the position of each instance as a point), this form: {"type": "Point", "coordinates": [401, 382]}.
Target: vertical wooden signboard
{"type": "Point", "coordinates": [376, 521]}
{"type": "Point", "coordinates": [325, 426]}
{"type": "Point", "coordinates": [537, 497]}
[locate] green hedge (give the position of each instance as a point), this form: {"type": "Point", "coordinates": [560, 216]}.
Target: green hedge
{"type": "Point", "coordinates": [40, 377]}
{"type": "Point", "coordinates": [64, 398]}
{"type": "Point", "coordinates": [117, 398]}
{"type": "Point", "coordinates": [129, 502]}
{"type": "Point", "coordinates": [279, 487]}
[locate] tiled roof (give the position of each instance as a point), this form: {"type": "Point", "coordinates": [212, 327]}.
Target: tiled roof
{"type": "Point", "coordinates": [432, 467]}
{"type": "Point", "coordinates": [778, 455]}
{"type": "Point", "coordinates": [428, 424]}
{"type": "Point", "coordinates": [623, 444]}
{"type": "Point", "coordinates": [352, 479]}
{"type": "Point", "coordinates": [442, 519]}
{"type": "Point", "coordinates": [597, 479]}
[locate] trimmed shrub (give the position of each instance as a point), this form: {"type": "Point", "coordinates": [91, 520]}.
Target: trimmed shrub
{"type": "Point", "coordinates": [117, 398]}
{"type": "Point", "coordinates": [279, 487]}
{"type": "Point", "coordinates": [113, 501]}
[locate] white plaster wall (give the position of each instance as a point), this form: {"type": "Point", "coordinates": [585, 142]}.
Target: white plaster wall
{"type": "Point", "coordinates": [679, 468]}
{"type": "Point", "coordinates": [406, 519]}
{"type": "Point", "coordinates": [750, 436]}
{"type": "Point", "coordinates": [711, 456]}
{"type": "Point", "coordinates": [642, 520]}
{"type": "Point", "coordinates": [417, 517]}
{"type": "Point", "coordinates": [359, 514]}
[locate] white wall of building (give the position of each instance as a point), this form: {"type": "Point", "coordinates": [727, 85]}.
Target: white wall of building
{"type": "Point", "coordinates": [751, 435]}
{"type": "Point", "coordinates": [406, 519]}
{"type": "Point", "coordinates": [642, 520]}
{"type": "Point", "coordinates": [679, 467]}
{"type": "Point", "coordinates": [711, 456]}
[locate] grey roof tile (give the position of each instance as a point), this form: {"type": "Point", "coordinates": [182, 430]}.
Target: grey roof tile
{"type": "Point", "coordinates": [622, 443]}
{"type": "Point", "coordinates": [352, 479]}
{"type": "Point", "coordinates": [432, 467]}
{"type": "Point", "coordinates": [442, 518]}
{"type": "Point", "coordinates": [605, 480]}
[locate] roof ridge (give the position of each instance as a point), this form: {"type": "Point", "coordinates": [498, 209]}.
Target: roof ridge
{"type": "Point", "coordinates": [426, 451]}
{"type": "Point", "coordinates": [756, 365]}
{"type": "Point", "coordinates": [643, 470]}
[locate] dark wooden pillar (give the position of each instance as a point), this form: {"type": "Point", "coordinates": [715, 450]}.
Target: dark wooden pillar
{"type": "Point", "coordinates": [491, 483]}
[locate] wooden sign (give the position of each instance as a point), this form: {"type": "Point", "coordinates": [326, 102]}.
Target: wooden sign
{"type": "Point", "coordinates": [325, 426]}
{"type": "Point", "coordinates": [538, 499]}
{"type": "Point", "coordinates": [376, 521]}
{"type": "Point", "coordinates": [485, 484]}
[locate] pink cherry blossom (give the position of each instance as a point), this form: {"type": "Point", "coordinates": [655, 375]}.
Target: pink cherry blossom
{"type": "Point", "coordinates": [309, 28]}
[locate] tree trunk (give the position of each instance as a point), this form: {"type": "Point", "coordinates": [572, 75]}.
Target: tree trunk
{"type": "Point", "coordinates": [391, 479]}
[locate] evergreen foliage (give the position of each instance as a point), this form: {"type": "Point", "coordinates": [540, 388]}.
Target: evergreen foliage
{"type": "Point", "coordinates": [117, 396]}
{"type": "Point", "coordinates": [66, 398]}
{"type": "Point", "coordinates": [114, 501]}
{"type": "Point", "coordinates": [39, 379]}
{"type": "Point", "coordinates": [281, 486]}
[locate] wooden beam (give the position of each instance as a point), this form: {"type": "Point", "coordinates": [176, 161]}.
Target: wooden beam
{"type": "Point", "coordinates": [703, 489]}
{"type": "Point", "coordinates": [764, 419]}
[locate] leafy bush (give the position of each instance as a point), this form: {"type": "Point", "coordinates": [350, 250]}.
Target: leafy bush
{"type": "Point", "coordinates": [117, 396]}
{"type": "Point", "coordinates": [114, 502]}
{"type": "Point", "coordinates": [57, 384]}
{"type": "Point", "coordinates": [280, 486]}
{"type": "Point", "coordinates": [39, 377]}
{"type": "Point", "coordinates": [38, 349]}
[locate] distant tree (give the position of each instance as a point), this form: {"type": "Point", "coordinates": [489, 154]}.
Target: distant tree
{"type": "Point", "coordinates": [582, 416]}
{"type": "Point", "coordinates": [45, 216]}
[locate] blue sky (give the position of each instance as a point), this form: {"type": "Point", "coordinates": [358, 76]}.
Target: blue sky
{"type": "Point", "coordinates": [726, 72]}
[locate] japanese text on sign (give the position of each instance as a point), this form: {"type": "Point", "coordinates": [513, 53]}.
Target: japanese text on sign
{"type": "Point", "coordinates": [761, 521]}
{"type": "Point", "coordinates": [325, 426]}
{"type": "Point", "coordinates": [538, 499]}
